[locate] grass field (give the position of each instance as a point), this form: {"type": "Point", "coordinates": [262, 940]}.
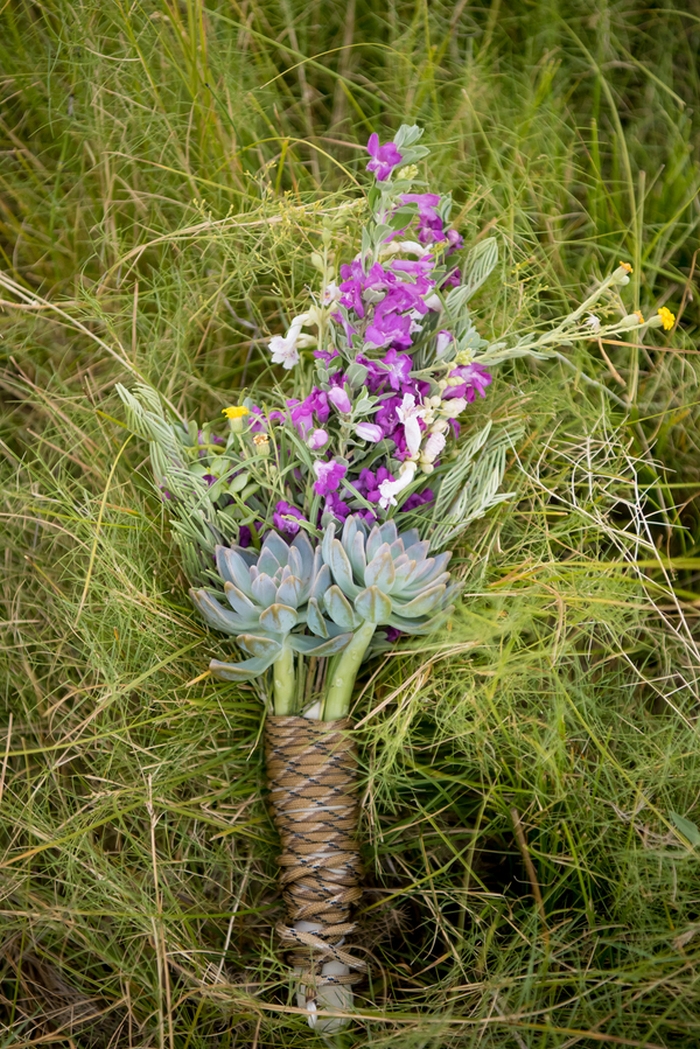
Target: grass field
{"type": "Point", "coordinates": [531, 777]}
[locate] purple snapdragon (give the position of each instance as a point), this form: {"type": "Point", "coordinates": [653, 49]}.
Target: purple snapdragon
{"type": "Point", "coordinates": [328, 476]}
{"type": "Point", "coordinates": [384, 158]}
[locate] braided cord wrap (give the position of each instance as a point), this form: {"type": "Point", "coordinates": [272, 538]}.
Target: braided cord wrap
{"type": "Point", "coordinates": [312, 776]}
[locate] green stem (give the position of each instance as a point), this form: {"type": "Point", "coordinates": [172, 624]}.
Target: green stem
{"type": "Point", "coordinates": [284, 683]}
{"type": "Point", "coordinates": [344, 673]}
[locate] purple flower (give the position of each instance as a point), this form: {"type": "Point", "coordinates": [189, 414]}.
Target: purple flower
{"type": "Point", "coordinates": [318, 439]}
{"type": "Point", "coordinates": [474, 379]}
{"type": "Point", "coordinates": [369, 432]}
{"type": "Point", "coordinates": [388, 327]}
{"type": "Point", "coordinates": [455, 240]}
{"type": "Point", "coordinates": [392, 634]}
{"type": "Point", "coordinates": [245, 536]}
{"type": "Point", "coordinates": [336, 506]}
{"type": "Point", "coordinates": [285, 518]}
{"type": "Point", "coordinates": [210, 479]}
{"type": "Point", "coordinates": [417, 499]}
{"type": "Point", "coordinates": [329, 475]}
{"type": "Point", "coordinates": [452, 279]}
{"type": "Point", "coordinates": [326, 355]}
{"type": "Point", "coordinates": [430, 225]}
{"type": "Point", "coordinates": [302, 413]}
{"type": "Point", "coordinates": [367, 484]}
{"type": "Point", "coordinates": [339, 399]}
{"type": "Point", "coordinates": [384, 158]}
{"type": "Point", "coordinates": [356, 282]}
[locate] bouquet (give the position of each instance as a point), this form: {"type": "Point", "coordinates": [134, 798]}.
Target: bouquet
{"type": "Point", "coordinates": [314, 519]}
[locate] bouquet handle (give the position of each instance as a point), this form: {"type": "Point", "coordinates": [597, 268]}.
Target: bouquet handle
{"type": "Point", "coordinates": [312, 777]}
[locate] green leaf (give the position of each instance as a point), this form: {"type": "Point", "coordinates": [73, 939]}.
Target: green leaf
{"type": "Point", "coordinates": [687, 828]}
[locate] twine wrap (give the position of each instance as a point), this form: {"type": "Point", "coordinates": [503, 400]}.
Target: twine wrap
{"type": "Point", "coordinates": [312, 773]}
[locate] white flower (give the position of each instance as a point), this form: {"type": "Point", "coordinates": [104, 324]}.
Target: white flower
{"type": "Point", "coordinates": [388, 489]}
{"type": "Point", "coordinates": [432, 448]}
{"type": "Point", "coordinates": [443, 341]}
{"type": "Point", "coordinates": [409, 413]}
{"type": "Point", "coordinates": [331, 294]}
{"type": "Point", "coordinates": [285, 350]}
{"type": "Point", "coordinates": [592, 322]}
{"type": "Point", "coordinates": [454, 407]}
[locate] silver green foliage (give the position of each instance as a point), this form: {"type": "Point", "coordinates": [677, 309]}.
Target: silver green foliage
{"type": "Point", "coordinates": [270, 594]}
{"type": "Point", "coordinates": [385, 578]}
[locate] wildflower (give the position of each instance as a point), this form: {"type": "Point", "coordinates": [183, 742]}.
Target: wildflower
{"type": "Point", "coordinates": [331, 294]}
{"type": "Point", "coordinates": [262, 443]}
{"type": "Point", "coordinates": [389, 489]}
{"type": "Point", "coordinates": [384, 158]}
{"type": "Point", "coordinates": [318, 439]}
{"type": "Point", "coordinates": [285, 350]}
{"type": "Point", "coordinates": [668, 319]}
{"type": "Point", "coordinates": [369, 432]}
{"type": "Point", "coordinates": [639, 315]}
{"type": "Point", "coordinates": [285, 518]}
{"type": "Point", "coordinates": [235, 412]}
{"type": "Point", "coordinates": [626, 267]}
{"type": "Point", "coordinates": [593, 322]}
{"type": "Point", "coordinates": [432, 448]}
{"type": "Point", "coordinates": [340, 400]}
{"type": "Point", "coordinates": [442, 343]}
{"type": "Point", "coordinates": [430, 225]}
{"type": "Point", "coordinates": [409, 414]}
{"type": "Point", "coordinates": [329, 475]}
{"type": "Point", "coordinates": [470, 379]}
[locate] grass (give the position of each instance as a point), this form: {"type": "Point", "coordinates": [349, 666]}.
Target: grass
{"type": "Point", "coordinates": [531, 791]}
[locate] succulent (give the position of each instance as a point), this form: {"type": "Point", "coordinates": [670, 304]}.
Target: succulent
{"type": "Point", "coordinates": [385, 578]}
{"type": "Point", "coordinates": [270, 593]}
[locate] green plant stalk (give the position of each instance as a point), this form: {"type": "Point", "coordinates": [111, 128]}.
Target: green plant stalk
{"type": "Point", "coordinates": [283, 683]}
{"type": "Point", "coordinates": [337, 702]}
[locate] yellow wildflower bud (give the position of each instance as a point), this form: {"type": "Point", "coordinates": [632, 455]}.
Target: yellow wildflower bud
{"type": "Point", "coordinates": [262, 443]}
{"type": "Point", "coordinates": [626, 267]}
{"type": "Point", "coordinates": [668, 319]}
{"type": "Point", "coordinates": [639, 315]}
{"type": "Point", "coordinates": [235, 412]}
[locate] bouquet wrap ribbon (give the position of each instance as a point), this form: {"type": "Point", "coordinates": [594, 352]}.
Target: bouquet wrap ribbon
{"type": "Point", "coordinates": [312, 776]}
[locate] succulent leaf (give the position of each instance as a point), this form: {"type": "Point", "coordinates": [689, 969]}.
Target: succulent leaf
{"type": "Point", "coordinates": [422, 605]}
{"type": "Point", "coordinates": [279, 619]}
{"type": "Point", "coordinates": [380, 571]}
{"type": "Point", "coordinates": [233, 569]}
{"type": "Point", "coordinates": [340, 610]}
{"type": "Point", "coordinates": [238, 601]}
{"type": "Point", "coordinates": [314, 619]}
{"type": "Point", "coordinates": [342, 569]}
{"type": "Point", "coordinates": [373, 605]}
{"type": "Point", "coordinates": [243, 671]}
{"type": "Point", "coordinates": [316, 646]}
{"type": "Point", "coordinates": [290, 592]}
{"type": "Point", "coordinates": [214, 615]}
{"type": "Point", "coordinates": [264, 591]}
{"type": "Point", "coordinates": [261, 647]}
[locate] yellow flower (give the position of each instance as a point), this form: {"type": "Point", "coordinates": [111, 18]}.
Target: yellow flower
{"type": "Point", "coordinates": [236, 412]}
{"type": "Point", "coordinates": [668, 319]}
{"type": "Point", "coordinates": [626, 267]}
{"type": "Point", "coordinates": [640, 315]}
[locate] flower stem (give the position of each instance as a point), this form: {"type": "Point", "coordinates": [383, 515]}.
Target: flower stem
{"type": "Point", "coordinates": [344, 673]}
{"type": "Point", "coordinates": [284, 683]}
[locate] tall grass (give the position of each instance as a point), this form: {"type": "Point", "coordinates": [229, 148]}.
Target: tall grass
{"type": "Point", "coordinates": [532, 776]}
